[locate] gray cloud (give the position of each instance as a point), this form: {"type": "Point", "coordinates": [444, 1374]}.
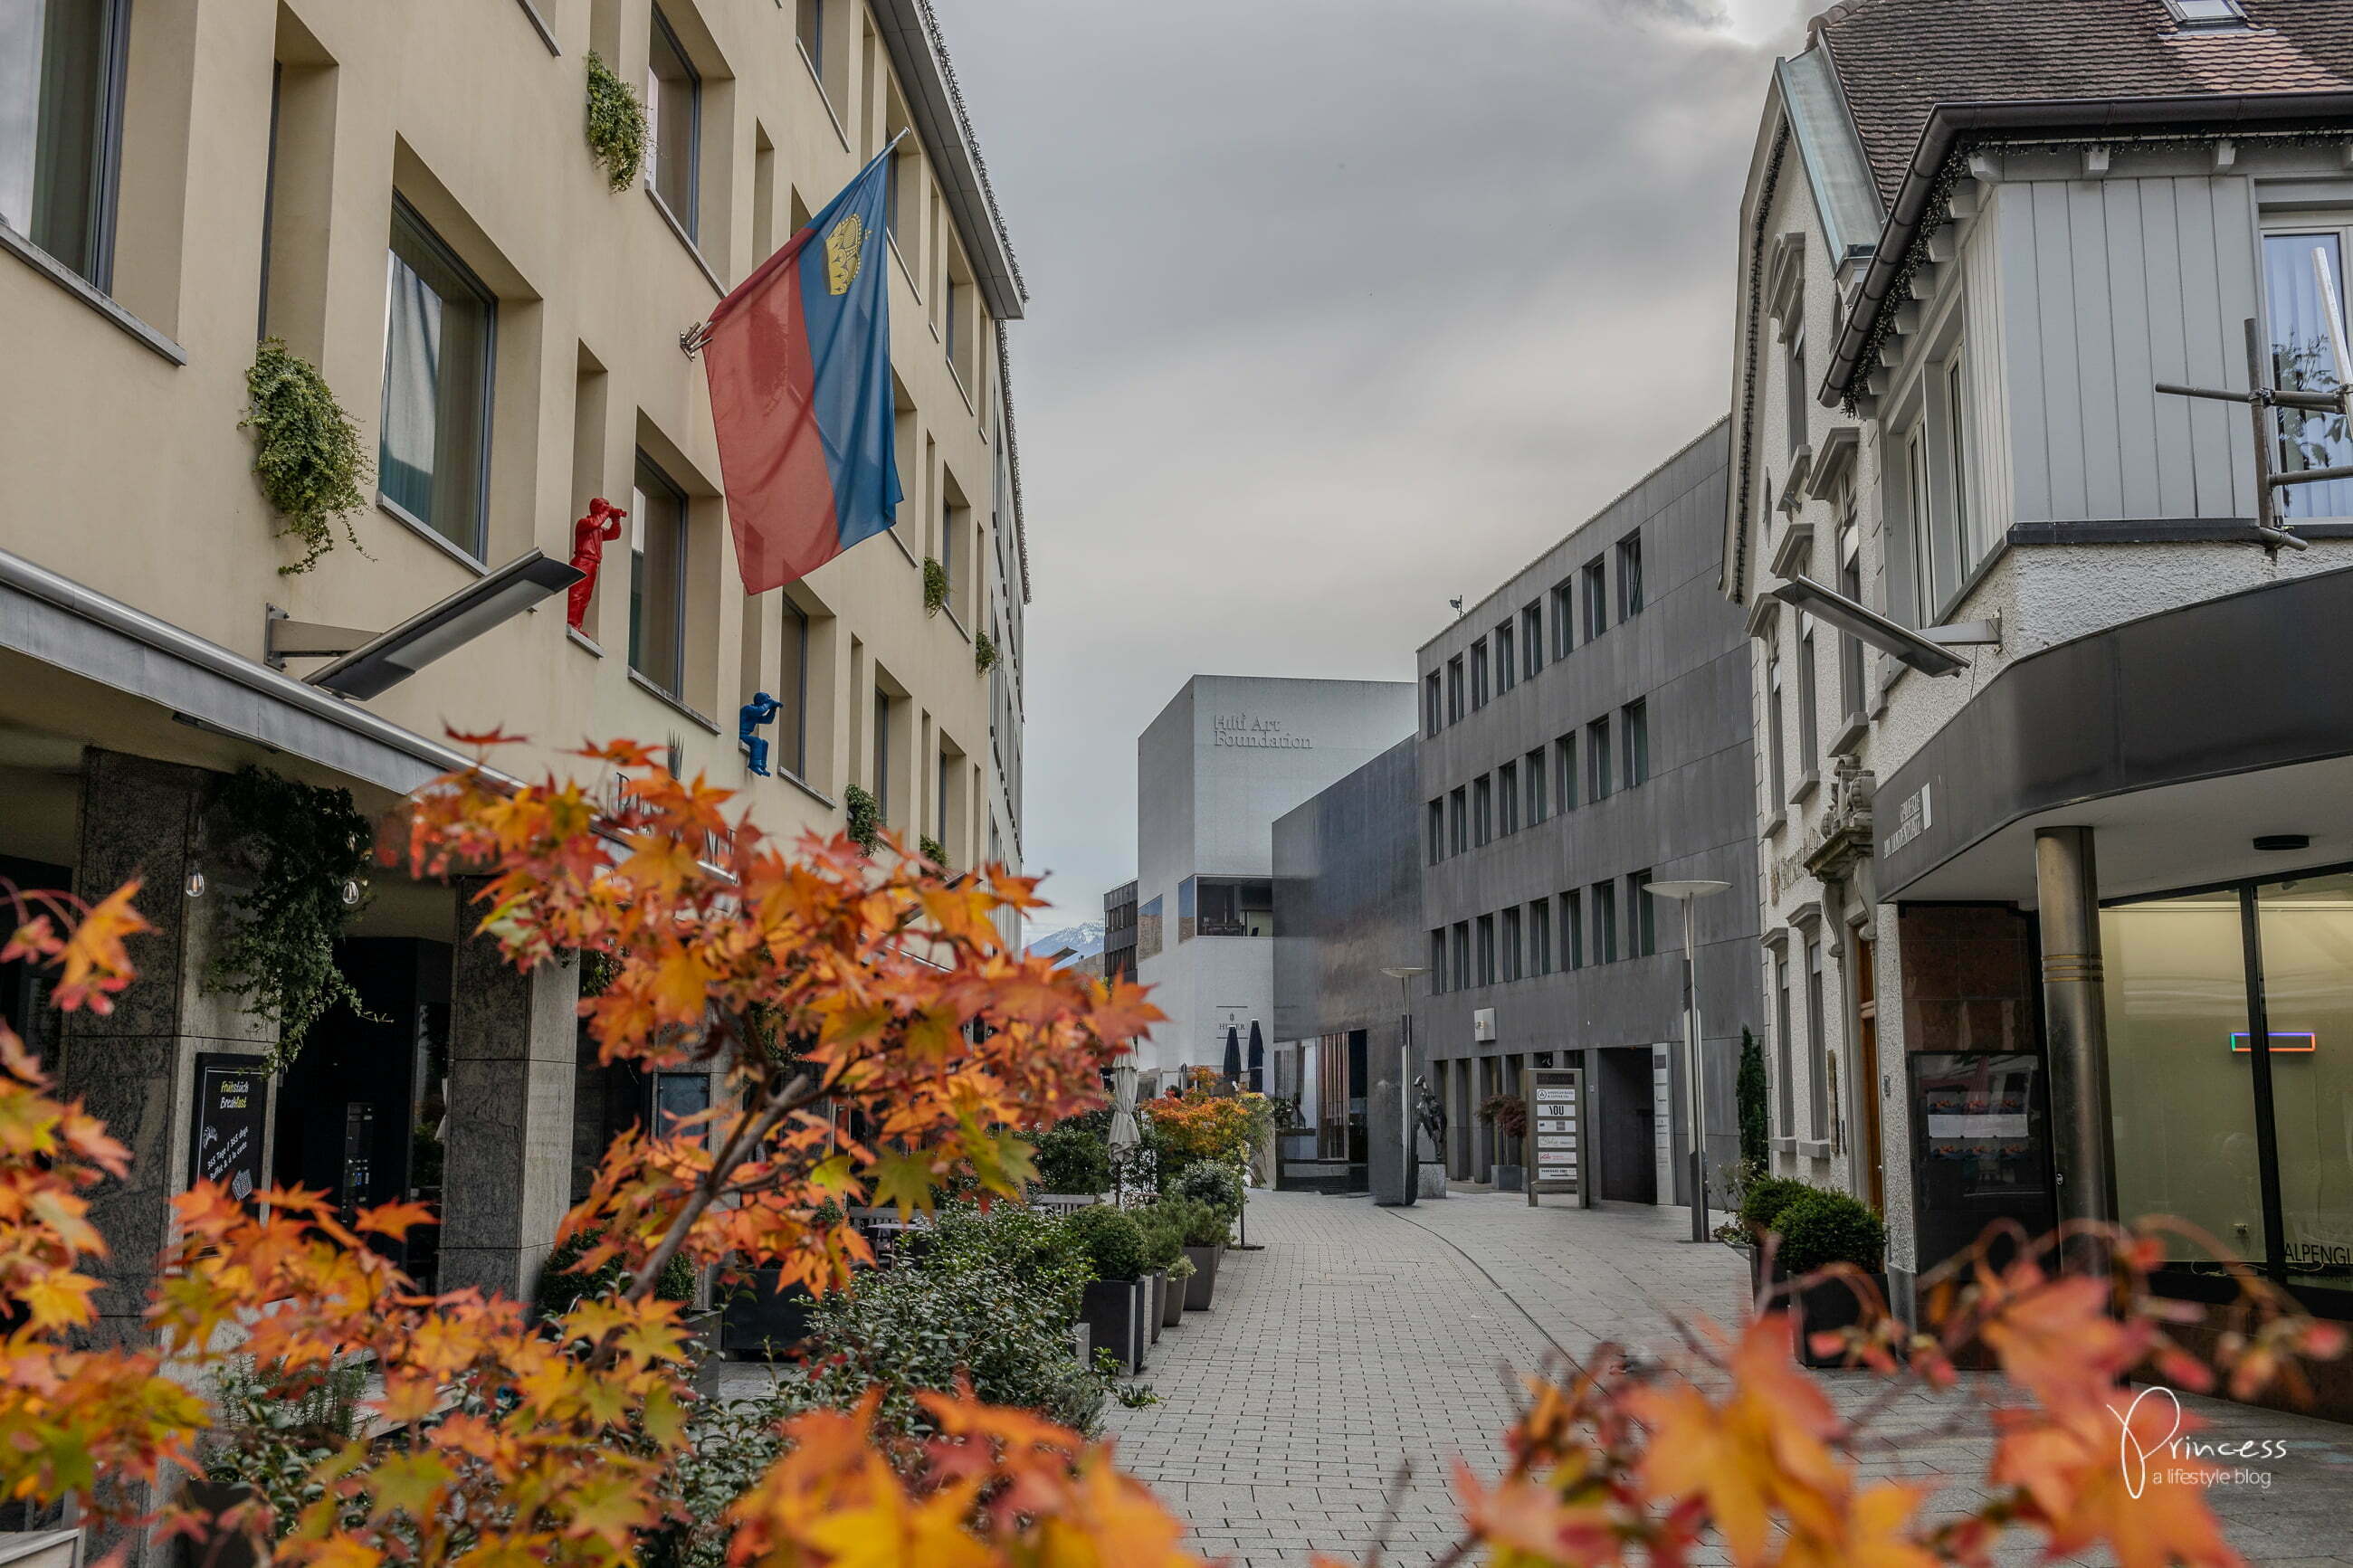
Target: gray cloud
{"type": "Point", "coordinates": [1341, 307]}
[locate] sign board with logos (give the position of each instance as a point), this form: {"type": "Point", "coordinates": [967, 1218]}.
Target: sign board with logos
{"type": "Point", "coordinates": [1558, 1133]}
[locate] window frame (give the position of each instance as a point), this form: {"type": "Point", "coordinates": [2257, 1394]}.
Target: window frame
{"type": "Point", "coordinates": [1532, 653]}
{"type": "Point", "coordinates": [1594, 586]}
{"type": "Point", "coordinates": [1641, 916]}
{"type": "Point", "coordinates": [646, 468]}
{"type": "Point", "coordinates": [2334, 224]}
{"type": "Point", "coordinates": [1630, 577]}
{"type": "Point", "coordinates": [1479, 674]}
{"type": "Point", "coordinates": [424, 233]}
{"type": "Point", "coordinates": [1634, 739]}
{"type": "Point", "coordinates": [1533, 768]}
{"type": "Point", "coordinates": [1572, 929]}
{"type": "Point", "coordinates": [1507, 670]}
{"type": "Point", "coordinates": [1564, 618]}
{"type": "Point", "coordinates": [1540, 953]}
{"type": "Point", "coordinates": [1605, 923]}
{"type": "Point", "coordinates": [96, 267]}
{"type": "Point", "coordinates": [1599, 785]}
{"type": "Point", "coordinates": [689, 221]}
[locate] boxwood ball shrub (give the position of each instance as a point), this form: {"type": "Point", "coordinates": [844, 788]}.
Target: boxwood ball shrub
{"type": "Point", "coordinates": [1199, 1224]}
{"type": "Point", "coordinates": [1115, 1242]}
{"type": "Point", "coordinates": [1211, 1182]}
{"type": "Point", "coordinates": [1821, 1227]}
{"type": "Point", "coordinates": [1071, 1160]}
{"type": "Point", "coordinates": [1164, 1237]}
{"type": "Point", "coordinates": [1763, 1200]}
{"type": "Point", "coordinates": [1025, 1244]}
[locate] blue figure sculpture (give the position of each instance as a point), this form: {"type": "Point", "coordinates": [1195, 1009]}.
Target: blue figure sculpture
{"type": "Point", "coordinates": [762, 710]}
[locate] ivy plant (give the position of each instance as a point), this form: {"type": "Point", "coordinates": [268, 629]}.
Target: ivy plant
{"type": "Point", "coordinates": [302, 847]}
{"type": "Point", "coordinates": [307, 452]}
{"type": "Point", "coordinates": [931, 849]}
{"type": "Point", "coordinates": [935, 586]}
{"type": "Point", "coordinates": [616, 125]}
{"type": "Point", "coordinates": [865, 827]}
{"type": "Point", "coordinates": [984, 652]}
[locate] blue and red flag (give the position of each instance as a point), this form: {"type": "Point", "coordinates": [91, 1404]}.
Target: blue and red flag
{"type": "Point", "coordinates": [799, 359]}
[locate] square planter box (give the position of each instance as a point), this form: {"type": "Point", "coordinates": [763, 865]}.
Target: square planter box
{"type": "Point", "coordinates": [1171, 1300]}
{"type": "Point", "coordinates": [1203, 1285]}
{"type": "Point", "coordinates": [1830, 1305]}
{"type": "Point", "coordinates": [1155, 1305]}
{"type": "Point", "coordinates": [1113, 1312]}
{"type": "Point", "coordinates": [1509, 1178]}
{"type": "Point", "coordinates": [216, 1548]}
{"type": "Point", "coordinates": [756, 1320]}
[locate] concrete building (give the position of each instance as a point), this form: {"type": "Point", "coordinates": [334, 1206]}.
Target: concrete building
{"type": "Point", "coordinates": [1347, 906]}
{"type": "Point", "coordinates": [1583, 733]}
{"type": "Point", "coordinates": [1225, 758]}
{"type": "Point", "coordinates": [403, 196]}
{"type": "Point", "coordinates": [2076, 817]}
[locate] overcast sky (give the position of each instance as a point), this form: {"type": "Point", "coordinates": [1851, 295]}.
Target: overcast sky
{"type": "Point", "coordinates": [1339, 308]}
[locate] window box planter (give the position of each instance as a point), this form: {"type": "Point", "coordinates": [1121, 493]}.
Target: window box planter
{"type": "Point", "coordinates": [1509, 1178]}
{"type": "Point", "coordinates": [756, 1320]}
{"type": "Point", "coordinates": [1203, 1285]}
{"type": "Point", "coordinates": [1113, 1312]}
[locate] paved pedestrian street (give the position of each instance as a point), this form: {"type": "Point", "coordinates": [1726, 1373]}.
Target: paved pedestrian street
{"type": "Point", "coordinates": [1361, 1338]}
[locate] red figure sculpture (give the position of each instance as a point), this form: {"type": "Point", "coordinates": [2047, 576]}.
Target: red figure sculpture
{"type": "Point", "coordinates": [589, 537]}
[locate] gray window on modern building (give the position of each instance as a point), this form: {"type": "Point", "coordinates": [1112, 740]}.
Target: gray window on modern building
{"type": "Point", "coordinates": [1634, 719]}
{"type": "Point", "coordinates": [1540, 937]}
{"type": "Point", "coordinates": [1531, 641]}
{"type": "Point", "coordinates": [882, 755]}
{"type": "Point", "coordinates": [1438, 962]}
{"type": "Point", "coordinates": [1630, 576]}
{"type": "Point", "coordinates": [657, 578]}
{"type": "Point", "coordinates": [1641, 916]}
{"type": "Point", "coordinates": [61, 117]}
{"type": "Point", "coordinates": [1437, 830]}
{"type": "Point", "coordinates": [1809, 729]}
{"type": "Point", "coordinates": [1597, 598]}
{"type": "Point", "coordinates": [1461, 955]}
{"type": "Point", "coordinates": [433, 455]}
{"type": "Point", "coordinates": [1598, 783]}
{"type": "Point", "coordinates": [1482, 810]}
{"type": "Point", "coordinates": [1533, 766]}
{"type": "Point", "coordinates": [1572, 931]}
{"type": "Point", "coordinates": [1564, 618]}
{"type": "Point", "coordinates": [1234, 906]}
{"type": "Point", "coordinates": [1459, 812]}
{"type": "Point", "coordinates": [1564, 773]}
{"type": "Point", "coordinates": [1793, 394]}
{"type": "Point", "coordinates": [1433, 708]}
{"type": "Point", "coordinates": [809, 27]}
{"type": "Point", "coordinates": [1785, 1117]}
{"type": "Point", "coordinates": [673, 124]}
{"type": "Point", "coordinates": [1478, 675]}
{"type": "Point", "coordinates": [1454, 690]}
{"type": "Point", "coordinates": [1851, 646]}
{"type": "Point", "coordinates": [1507, 662]}
{"type": "Point", "coordinates": [792, 694]}
{"type": "Point", "coordinates": [1818, 1051]}
{"type": "Point", "coordinates": [1605, 922]}
{"type": "Point", "coordinates": [1776, 761]}
{"type": "Point", "coordinates": [1510, 939]}
{"type": "Point", "coordinates": [1486, 950]}
{"type": "Point", "coordinates": [1507, 800]}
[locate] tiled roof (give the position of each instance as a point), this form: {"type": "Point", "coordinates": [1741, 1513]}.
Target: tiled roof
{"type": "Point", "coordinates": [1898, 59]}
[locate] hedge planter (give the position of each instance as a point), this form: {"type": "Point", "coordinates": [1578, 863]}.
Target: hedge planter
{"type": "Point", "coordinates": [1509, 1178]}
{"type": "Point", "coordinates": [1829, 1305]}
{"type": "Point", "coordinates": [1113, 1311]}
{"type": "Point", "coordinates": [1172, 1300]}
{"type": "Point", "coordinates": [757, 1321]}
{"type": "Point", "coordinates": [1203, 1285]}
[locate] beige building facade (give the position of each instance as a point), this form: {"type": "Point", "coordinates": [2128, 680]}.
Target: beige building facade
{"type": "Point", "coordinates": [404, 195]}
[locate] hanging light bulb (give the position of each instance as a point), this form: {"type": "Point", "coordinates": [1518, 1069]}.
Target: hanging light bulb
{"type": "Point", "coordinates": [196, 884]}
{"type": "Point", "coordinates": [351, 894]}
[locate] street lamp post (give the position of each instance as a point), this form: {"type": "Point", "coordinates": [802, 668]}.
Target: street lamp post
{"type": "Point", "coordinates": [1688, 893]}
{"type": "Point", "coordinates": [1407, 1178]}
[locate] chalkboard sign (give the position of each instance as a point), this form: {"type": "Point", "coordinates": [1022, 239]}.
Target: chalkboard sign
{"type": "Point", "coordinates": [1557, 1133]}
{"type": "Point", "coordinates": [232, 1108]}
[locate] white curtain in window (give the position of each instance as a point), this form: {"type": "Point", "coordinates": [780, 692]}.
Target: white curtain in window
{"type": "Point", "coordinates": [412, 387]}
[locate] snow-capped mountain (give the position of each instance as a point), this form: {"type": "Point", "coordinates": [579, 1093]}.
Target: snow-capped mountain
{"type": "Point", "coordinates": [1084, 940]}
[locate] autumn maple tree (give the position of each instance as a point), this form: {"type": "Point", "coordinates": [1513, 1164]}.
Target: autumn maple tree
{"type": "Point", "coordinates": [880, 1041]}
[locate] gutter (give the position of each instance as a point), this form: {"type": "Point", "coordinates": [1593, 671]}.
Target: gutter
{"type": "Point", "coordinates": [1953, 125]}
{"type": "Point", "coordinates": [911, 34]}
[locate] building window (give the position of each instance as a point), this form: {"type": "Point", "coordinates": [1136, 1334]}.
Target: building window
{"type": "Point", "coordinates": [809, 27]}
{"type": "Point", "coordinates": [1478, 675]}
{"type": "Point", "coordinates": [1775, 759]}
{"type": "Point", "coordinates": [61, 68]}
{"type": "Point", "coordinates": [1564, 619]}
{"type": "Point", "coordinates": [882, 776]}
{"type": "Point", "coordinates": [1540, 937]}
{"type": "Point", "coordinates": [1531, 641]}
{"type": "Point", "coordinates": [1482, 810]}
{"type": "Point", "coordinates": [1486, 950]}
{"type": "Point", "coordinates": [1534, 766]}
{"type": "Point", "coordinates": [1438, 961]}
{"type": "Point", "coordinates": [1818, 1047]}
{"type": "Point", "coordinates": [1233, 906]}
{"type": "Point", "coordinates": [1809, 726]}
{"type": "Point", "coordinates": [2303, 360]}
{"type": "Point", "coordinates": [1563, 756]}
{"type": "Point", "coordinates": [1851, 646]}
{"type": "Point", "coordinates": [1642, 915]}
{"type": "Point", "coordinates": [1459, 804]}
{"type": "Point", "coordinates": [1572, 931]}
{"type": "Point", "coordinates": [1928, 589]}
{"type": "Point", "coordinates": [1784, 1117]}
{"type": "Point", "coordinates": [1454, 690]}
{"type": "Point", "coordinates": [658, 579]}
{"type": "Point", "coordinates": [792, 692]}
{"type": "Point", "coordinates": [1511, 938]}
{"type": "Point", "coordinates": [1437, 831]}
{"type": "Point", "coordinates": [1630, 576]}
{"type": "Point", "coordinates": [1597, 760]}
{"type": "Point", "coordinates": [1597, 599]}
{"type": "Point", "coordinates": [1793, 390]}
{"type": "Point", "coordinates": [1433, 708]}
{"type": "Point", "coordinates": [1461, 955]}
{"type": "Point", "coordinates": [1507, 664]}
{"type": "Point", "coordinates": [673, 124]}
{"type": "Point", "coordinates": [948, 552]}
{"type": "Point", "coordinates": [1635, 720]}
{"type": "Point", "coordinates": [1507, 799]}
{"type": "Point", "coordinates": [1605, 922]}
{"type": "Point", "coordinates": [433, 456]}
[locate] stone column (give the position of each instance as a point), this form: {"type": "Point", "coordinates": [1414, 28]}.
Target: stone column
{"type": "Point", "coordinates": [2075, 1010]}
{"type": "Point", "coordinates": [135, 1066]}
{"type": "Point", "coordinates": [507, 1173]}
{"type": "Point", "coordinates": [1388, 1096]}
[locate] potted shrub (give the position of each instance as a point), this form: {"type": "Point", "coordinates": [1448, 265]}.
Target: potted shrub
{"type": "Point", "coordinates": [1205, 1242]}
{"type": "Point", "coordinates": [1508, 1114]}
{"type": "Point", "coordinates": [1761, 1203]}
{"type": "Point", "coordinates": [1819, 1229]}
{"type": "Point", "coordinates": [1113, 1302]}
{"type": "Point", "coordinates": [1164, 1249]}
{"type": "Point", "coordinates": [1180, 1276]}
{"type": "Point", "coordinates": [1071, 1159]}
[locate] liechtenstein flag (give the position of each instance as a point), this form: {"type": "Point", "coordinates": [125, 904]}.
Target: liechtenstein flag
{"type": "Point", "coordinates": [800, 363]}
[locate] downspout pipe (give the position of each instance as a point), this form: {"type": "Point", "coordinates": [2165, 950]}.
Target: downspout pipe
{"type": "Point", "coordinates": [2017, 119]}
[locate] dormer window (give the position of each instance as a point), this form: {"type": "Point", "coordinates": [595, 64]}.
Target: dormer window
{"type": "Point", "coordinates": [2205, 15]}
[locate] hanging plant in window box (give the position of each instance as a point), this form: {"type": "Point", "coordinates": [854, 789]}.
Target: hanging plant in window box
{"type": "Point", "coordinates": [984, 652]}
{"type": "Point", "coordinates": [931, 849]}
{"type": "Point", "coordinates": [307, 451]}
{"type": "Point", "coordinates": [865, 818]}
{"type": "Point", "coordinates": [303, 849]}
{"type": "Point", "coordinates": [935, 586]}
{"type": "Point", "coordinates": [616, 124]}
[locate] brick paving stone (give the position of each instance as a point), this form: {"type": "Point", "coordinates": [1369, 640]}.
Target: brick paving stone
{"type": "Point", "coordinates": [1364, 1337]}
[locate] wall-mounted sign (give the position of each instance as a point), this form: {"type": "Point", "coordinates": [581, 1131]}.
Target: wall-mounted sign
{"type": "Point", "coordinates": [232, 1112]}
{"type": "Point", "coordinates": [1255, 730]}
{"type": "Point", "coordinates": [1913, 819]}
{"type": "Point", "coordinates": [1483, 1023]}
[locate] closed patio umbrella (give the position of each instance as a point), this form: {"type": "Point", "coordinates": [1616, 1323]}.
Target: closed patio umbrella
{"type": "Point", "coordinates": [1257, 1060]}
{"type": "Point", "coordinates": [1233, 1054]}
{"type": "Point", "coordinates": [1124, 1134]}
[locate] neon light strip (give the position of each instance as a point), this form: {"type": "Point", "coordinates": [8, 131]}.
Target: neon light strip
{"type": "Point", "coordinates": [2311, 1043]}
